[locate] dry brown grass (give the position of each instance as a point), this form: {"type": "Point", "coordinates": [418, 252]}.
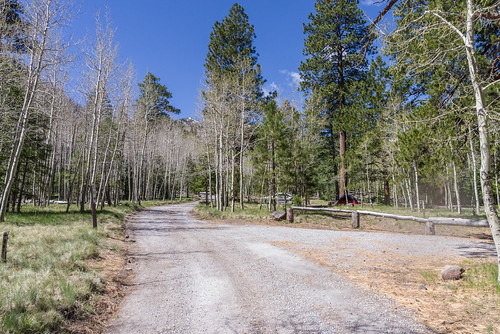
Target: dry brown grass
{"type": "Point", "coordinates": [470, 305]}
{"type": "Point", "coordinates": [414, 282]}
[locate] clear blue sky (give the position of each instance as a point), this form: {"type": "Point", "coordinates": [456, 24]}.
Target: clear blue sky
{"type": "Point", "coordinates": [169, 38]}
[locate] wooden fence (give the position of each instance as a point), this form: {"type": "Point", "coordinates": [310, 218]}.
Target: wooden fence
{"type": "Point", "coordinates": [430, 222]}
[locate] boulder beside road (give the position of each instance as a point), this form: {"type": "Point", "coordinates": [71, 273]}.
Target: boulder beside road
{"type": "Point", "coordinates": [279, 215]}
{"type": "Point", "coordinates": [452, 273]}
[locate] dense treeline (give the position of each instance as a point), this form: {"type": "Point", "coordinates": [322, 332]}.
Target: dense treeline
{"type": "Point", "coordinates": [398, 134]}
{"type": "Point", "coordinates": [418, 132]}
{"type": "Point", "coordinates": [411, 123]}
{"type": "Point", "coordinates": [401, 134]}
{"type": "Point", "coordinates": [120, 143]}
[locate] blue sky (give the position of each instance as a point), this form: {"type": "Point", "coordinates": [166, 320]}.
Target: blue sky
{"type": "Point", "coordinates": [169, 38]}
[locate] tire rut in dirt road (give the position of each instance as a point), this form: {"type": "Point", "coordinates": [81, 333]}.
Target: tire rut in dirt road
{"type": "Point", "coordinates": [197, 277]}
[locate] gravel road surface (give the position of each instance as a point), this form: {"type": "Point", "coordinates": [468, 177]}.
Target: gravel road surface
{"type": "Point", "coordinates": [197, 277]}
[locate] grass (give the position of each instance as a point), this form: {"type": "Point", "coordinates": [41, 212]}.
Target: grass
{"type": "Point", "coordinates": [482, 277]}
{"type": "Point", "coordinates": [428, 276]}
{"type": "Point", "coordinates": [47, 279]}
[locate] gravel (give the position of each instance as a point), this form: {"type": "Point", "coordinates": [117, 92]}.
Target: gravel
{"type": "Point", "coordinates": [197, 277]}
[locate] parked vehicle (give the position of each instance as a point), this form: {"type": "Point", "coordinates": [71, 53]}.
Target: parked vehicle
{"type": "Point", "coordinates": [281, 198]}
{"type": "Point", "coordinates": [350, 200]}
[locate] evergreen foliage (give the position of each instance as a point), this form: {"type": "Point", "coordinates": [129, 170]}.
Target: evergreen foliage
{"type": "Point", "coordinates": [334, 69]}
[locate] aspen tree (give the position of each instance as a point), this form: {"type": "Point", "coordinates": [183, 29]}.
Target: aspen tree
{"type": "Point", "coordinates": [44, 18]}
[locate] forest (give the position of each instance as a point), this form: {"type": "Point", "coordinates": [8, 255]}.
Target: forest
{"type": "Point", "coordinates": [406, 116]}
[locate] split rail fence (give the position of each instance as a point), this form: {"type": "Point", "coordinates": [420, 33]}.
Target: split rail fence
{"type": "Point", "coordinates": [429, 222]}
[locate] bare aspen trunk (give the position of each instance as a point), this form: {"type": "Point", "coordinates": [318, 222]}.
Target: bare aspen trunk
{"type": "Point", "coordinates": [21, 189]}
{"type": "Point", "coordinates": [221, 174]}
{"type": "Point", "coordinates": [342, 139]}
{"type": "Point", "coordinates": [496, 177]}
{"type": "Point", "coordinates": [102, 185]}
{"type": "Point", "coordinates": [408, 190]}
{"type": "Point", "coordinates": [404, 196]}
{"type": "Point", "coordinates": [474, 171]}
{"type": "Point", "coordinates": [261, 199]}
{"type": "Point", "coordinates": [455, 185]}
{"type": "Point", "coordinates": [232, 182]}
{"type": "Point", "coordinates": [242, 138]}
{"type": "Point", "coordinates": [368, 184]}
{"type": "Point", "coordinates": [417, 192]}
{"type": "Point", "coordinates": [273, 177]}
{"type": "Point", "coordinates": [394, 191]}
{"type": "Point", "coordinates": [42, 16]}
{"type": "Point", "coordinates": [209, 179]}
{"type": "Point", "coordinates": [484, 140]}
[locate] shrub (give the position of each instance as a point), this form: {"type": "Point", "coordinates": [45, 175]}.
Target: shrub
{"type": "Point", "coordinates": [297, 200]}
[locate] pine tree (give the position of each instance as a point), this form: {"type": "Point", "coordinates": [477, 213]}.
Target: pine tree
{"type": "Point", "coordinates": [271, 147]}
{"type": "Point", "coordinates": [334, 38]}
{"type": "Point", "coordinates": [231, 40]}
{"type": "Point", "coordinates": [153, 103]}
{"type": "Point", "coordinates": [234, 88]}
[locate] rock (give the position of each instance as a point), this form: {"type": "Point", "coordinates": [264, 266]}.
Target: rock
{"type": "Point", "coordinates": [422, 287]}
{"type": "Point", "coordinates": [279, 215]}
{"type": "Point", "coordinates": [452, 272]}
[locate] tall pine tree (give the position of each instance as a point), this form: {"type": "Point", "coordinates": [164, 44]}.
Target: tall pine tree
{"type": "Point", "coordinates": [334, 38]}
{"type": "Point", "coordinates": [234, 80]}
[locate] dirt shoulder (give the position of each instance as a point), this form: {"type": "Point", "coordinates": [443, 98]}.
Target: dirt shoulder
{"type": "Point", "coordinates": [470, 305]}
{"type": "Point", "coordinates": [111, 265]}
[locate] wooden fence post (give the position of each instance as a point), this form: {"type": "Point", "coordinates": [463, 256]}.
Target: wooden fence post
{"type": "Point", "coordinates": [429, 228]}
{"type": "Point", "coordinates": [93, 207]}
{"type": "Point", "coordinates": [355, 219]}
{"type": "Point", "coordinates": [4, 245]}
{"type": "Point", "coordinates": [289, 215]}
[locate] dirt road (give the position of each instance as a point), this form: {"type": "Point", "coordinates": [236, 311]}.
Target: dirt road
{"type": "Point", "coordinates": [198, 277]}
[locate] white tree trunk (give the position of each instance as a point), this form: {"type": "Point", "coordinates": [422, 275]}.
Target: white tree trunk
{"type": "Point", "coordinates": [44, 17]}
{"type": "Point", "coordinates": [417, 193]}
{"type": "Point", "coordinates": [484, 140]}
{"type": "Point", "coordinates": [474, 171]}
{"type": "Point", "coordinates": [457, 191]}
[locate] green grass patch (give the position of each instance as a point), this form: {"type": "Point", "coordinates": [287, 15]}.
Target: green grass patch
{"type": "Point", "coordinates": [47, 279]}
{"type": "Point", "coordinates": [429, 276]}
{"type": "Point", "coordinates": [482, 277]}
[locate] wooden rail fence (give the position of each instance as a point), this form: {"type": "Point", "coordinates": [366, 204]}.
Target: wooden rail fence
{"type": "Point", "coordinates": [429, 222]}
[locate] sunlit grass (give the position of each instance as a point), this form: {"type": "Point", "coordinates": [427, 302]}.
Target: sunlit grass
{"type": "Point", "coordinates": [47, 278]}
{"type": "Point", "coordinates": [429, 276]}
{"type": "Point", "coordinates": [482, 277]}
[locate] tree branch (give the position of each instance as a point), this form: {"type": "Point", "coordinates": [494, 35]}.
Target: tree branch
{"type": "Point", "coordinates": [371, 34]}
{"type": "Point", "coordinates": [448, 23]}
